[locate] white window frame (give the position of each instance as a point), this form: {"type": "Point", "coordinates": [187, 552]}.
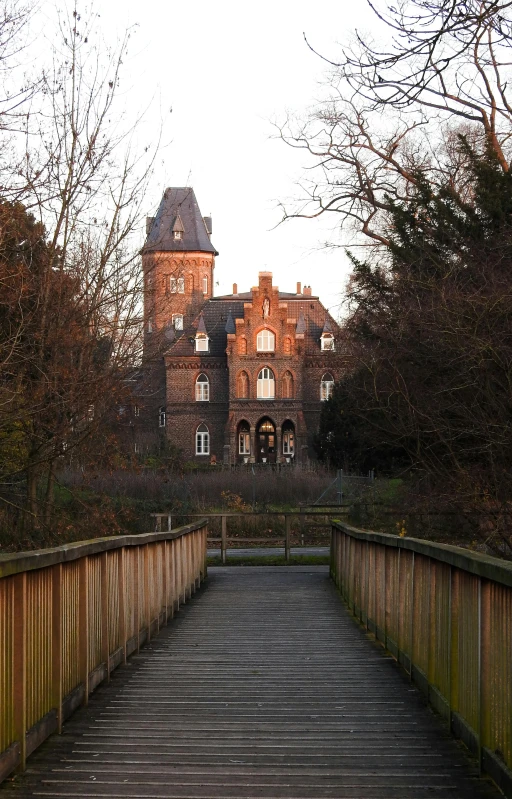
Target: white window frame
{"type": "Point", "coordinates": [205, 285]}
{"type": "Point", "coordinates": [244, 442]}
{"type": "Point", "coordinates": [202, 441]}
{"type": "Point", "coordinates": [265, 341]}
{"type": "Point", "coordinates": [177, 320]}
{"type": "Point", "coordinates": [178, 235]}
{"type": "Point", "coordinates": [202, 343]}
{"type": "Point", "coordinates": [289, 446]}
{"type": "Point", "coordinates": [327, 342]}
{"type": "Point", "coordinates": [266, 384]}
{"type": "Point", "coordinates": [161, 416]}
{"type": "Point", "coordinates": [202, 388]}
{"type": "Point", "coordinates": [326, 387]}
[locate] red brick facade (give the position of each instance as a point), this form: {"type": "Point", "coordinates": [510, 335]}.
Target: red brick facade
{"type": "Point", "coordinates": [254, 391]}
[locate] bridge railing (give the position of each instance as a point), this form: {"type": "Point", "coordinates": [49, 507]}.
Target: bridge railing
{"type": "Point", "coordinates": [70, 615]}
{"type": "Point", "coordinates": [445, 613]}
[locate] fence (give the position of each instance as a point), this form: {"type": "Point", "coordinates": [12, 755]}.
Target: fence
{"type": "Point", "coordinates": [70, 615]}
{"type": "Point", "coordinates": [446, 614]}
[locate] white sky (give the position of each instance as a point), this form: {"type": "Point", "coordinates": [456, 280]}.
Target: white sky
{"type": "Point", "coordinates": [226, 69]}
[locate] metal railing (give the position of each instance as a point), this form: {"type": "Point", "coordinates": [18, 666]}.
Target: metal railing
{"type": "Point", "coordinates": [446, 614]}
{"type": "Point", "coordinates": [70, 615]}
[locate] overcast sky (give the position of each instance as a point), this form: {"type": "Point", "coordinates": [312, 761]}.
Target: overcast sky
{"type": "Point", "coordinates": [217, 73]}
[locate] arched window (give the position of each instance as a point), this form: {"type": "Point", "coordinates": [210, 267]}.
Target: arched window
{"type": "Point", "coordinates": [266, 384]}
{"type": "Point", "coordinates": [243, 385]}
{"type": "Point", "coordinates": [177, 320]}
{"type": "Point", "coordinates": [242, 346]}
{"type": "Point", "coordinates": [265, 341]}
{"type": "Point", "coordinates": [202, 440]}
{"type": "Point", "coordinates": [287, 385]}
{"type": "Point", "coordinates": [202, 389]}
{"type": "Point", "coordinates": [326, 386]}
{"type": "Point", "coordinates": [288, 439]}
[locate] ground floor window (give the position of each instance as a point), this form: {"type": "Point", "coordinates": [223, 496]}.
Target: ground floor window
{"type": "Point", "coordinates": [244, 442]}
{"type": "Point", "coordinates": [288, 442]}
{"type": "Point", "coordinates": [202, 440]}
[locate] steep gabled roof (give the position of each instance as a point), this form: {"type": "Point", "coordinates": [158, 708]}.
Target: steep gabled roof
{"type": "Point", "coordinates": [178, 211]}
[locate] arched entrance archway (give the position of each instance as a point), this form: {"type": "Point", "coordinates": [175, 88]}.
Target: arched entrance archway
{"type": "Point", "coordinates": [266, 441]}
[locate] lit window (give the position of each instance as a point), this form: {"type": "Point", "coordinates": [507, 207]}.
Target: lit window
{"type": "Point", "coordinates": [202, 389]}
{"type": "Point", "coordinates": [266, 384]}
{"type": "Point", "coordinates": [265, 341]}
{"type": "Point", "coordinates": [202, 440]}
{"type": "Point", "coordinates": [161, 417]}
{"type": "Point", "coordinates": [177, 320]}
{"type": "Point", "coordinates": [327, 342]}
{"type": "Point", "coordinates": [244, 440]}
{"type": "Point", "coordinates": [288, 442]}
{"type": "Point", "coordinates": [205, 285]}
{"type": "Point", "coordinates": [201, 343]}
{"type": "Point", "coordinates": [326, 386]}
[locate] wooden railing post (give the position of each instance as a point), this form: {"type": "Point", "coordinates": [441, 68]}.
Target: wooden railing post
{"type": "Point", "coordinates": [105, 612]}
{"type": "Point", "coordinates": [287, 534]}
{"type": "Point", "coordinates": [83, 625]}
{"type": "Point", "coordinates": [121, 582]}
{"type": "Point", "coordinates": [20, 665]}
{"type": "Point", "coordinates": [57, 642]}
{"type": "Point", "coordinates": [223, 542]}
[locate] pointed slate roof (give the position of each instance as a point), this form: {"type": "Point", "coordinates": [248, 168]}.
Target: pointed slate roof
{"type": "Point", "coordinates": [178, 211]}
{"type": "Point", "coordinates": [201, 327]}
{"type": "Point", "coordinates": [230, 323]}
{"type": "Point", "coordinates": [327, 326]}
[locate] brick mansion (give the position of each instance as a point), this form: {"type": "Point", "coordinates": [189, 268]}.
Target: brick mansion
{"type": "Point", "coordinates": [236, 378]}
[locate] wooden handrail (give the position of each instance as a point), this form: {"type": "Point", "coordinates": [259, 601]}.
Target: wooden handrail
{"type": "Point", "coordinates": [72, 614]}
{"type": "Point", "coordinates": [445, 614]}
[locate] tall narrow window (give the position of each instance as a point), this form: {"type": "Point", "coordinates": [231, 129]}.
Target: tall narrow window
{"type": "Point", "coordinates": [205, 285]}
{"type": "Point", "coordinates": [266, 384]}
{"type": "Point", "coordinates": [177, 320]}
{"type": "Point", "coordinates": [202, 389]}
{"type": "Point", "coordinates": [202, 440]}
{"type": "Point", "coordinates": [287, 385]}
{"type": "Point", "coordinates": [243, 385]}
{"type": "Point", "coordinates": [244, 439]}
{"type": "Point", "coordinates": [265, 341]}
{"type": "Point", "coordinates": [181, 285]}
{"type": "Point", "coordinates": [326, 386]}
{"type": "Point", "coordinates": [161, 417]}
{"type": "Point", "coordinates": [150, 326]}
{"type": "Point", "coordinates": [288, 442]}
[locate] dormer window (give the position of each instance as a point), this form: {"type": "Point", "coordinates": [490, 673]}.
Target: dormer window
{"type": "Point", "coordinates": [178, 235]}
{"type": "Point", "coordinates": [201, 342]}
{"type": "Point", "coordinates": [327, 342]}
{"type": "Point", "coordinates": [177, 320]}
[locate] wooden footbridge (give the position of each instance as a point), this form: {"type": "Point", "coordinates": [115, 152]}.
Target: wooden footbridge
{"type": "Point", "coordinates": [265, 684]}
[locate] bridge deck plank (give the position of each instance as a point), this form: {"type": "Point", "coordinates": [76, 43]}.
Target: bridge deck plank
{"type": "Point", "coordinates": [262, 687]}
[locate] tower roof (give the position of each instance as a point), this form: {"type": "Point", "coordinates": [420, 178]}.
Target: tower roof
{"type": "Point", "coordinates": [178, 212]}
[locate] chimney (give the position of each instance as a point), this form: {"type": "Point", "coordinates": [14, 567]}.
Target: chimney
{"type": "Point", "coordinates": [208, 224]}
{"type": "Point", "coordinates": [235, 289]}
{"type": "Point", "coordinates": [299, 288]}
{"type": "Point", "coordinates": [307, 291]}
